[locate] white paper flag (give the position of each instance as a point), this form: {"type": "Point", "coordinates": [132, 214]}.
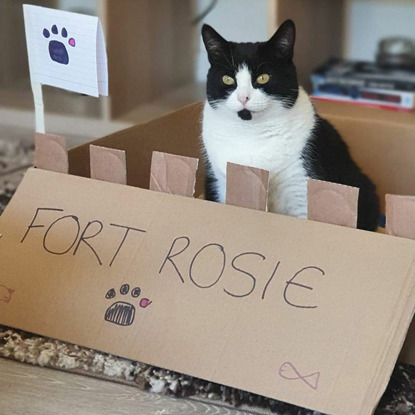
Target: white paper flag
{"type": "Point", "coordinates": [66, 50]}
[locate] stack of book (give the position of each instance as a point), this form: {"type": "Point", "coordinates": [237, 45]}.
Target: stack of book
{"type": "Point", "coordinates": [364, 83]}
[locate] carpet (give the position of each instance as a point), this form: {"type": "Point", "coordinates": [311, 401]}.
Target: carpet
{"type": "Point", "coordinates": [15, 154]}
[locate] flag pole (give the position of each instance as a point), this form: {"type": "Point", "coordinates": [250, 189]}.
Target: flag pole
{"type": "Point", "coordinates": [39, 107]}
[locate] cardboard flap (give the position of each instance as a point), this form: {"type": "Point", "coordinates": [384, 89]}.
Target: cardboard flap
{"type": "Point", "coordinates": [235, 296]}
{"type": "Point", "coordinates": [332, 203]}
{"type": "Point", "coordinates": [246, 186]}
{"type": "Point", "coordinates": [173, 174]}
{"type": "Point", "coordinates": [400, 216]}
{"type": "Point", "coordinates": [51, 153]}
{"type": "Point", "coordinates": [108, 164]}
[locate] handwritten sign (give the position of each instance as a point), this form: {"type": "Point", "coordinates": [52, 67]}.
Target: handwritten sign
{"type": "Point", "coordinates": [235, 296]}
{"type": "Point", "coordinates": [66, 50]}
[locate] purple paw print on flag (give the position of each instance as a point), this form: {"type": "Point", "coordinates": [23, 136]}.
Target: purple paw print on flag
{"type": "Point", "coordinates": [57, 50]}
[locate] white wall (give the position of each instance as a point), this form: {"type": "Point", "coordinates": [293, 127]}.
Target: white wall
{"type": "Point", "coordinates": [236, 20]}
{"type": "Point", "coordinates": [79, 6]}
{"type": "Point", "coordinates": [371, 20]}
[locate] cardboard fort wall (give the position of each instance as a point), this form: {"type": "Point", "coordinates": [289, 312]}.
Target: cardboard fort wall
{"type": "Point", "coordinates": [382, 142]}
{"type": "Point", "coordinates": [330, 347]}
{"type": "Point", "coordinates": [354, 358]}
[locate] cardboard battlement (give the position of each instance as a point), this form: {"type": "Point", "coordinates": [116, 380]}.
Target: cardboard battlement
{"type": "Point", "coordinates": [297, 310]}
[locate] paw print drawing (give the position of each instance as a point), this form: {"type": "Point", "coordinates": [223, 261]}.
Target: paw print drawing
{"type": "Point", "coordinates": [57, 50]}
{"type": "Point", "coordinates": [121, 312]}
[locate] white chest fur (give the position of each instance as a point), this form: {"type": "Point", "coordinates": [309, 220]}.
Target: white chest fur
{"type": "Point", "coordinates": [273, 140]}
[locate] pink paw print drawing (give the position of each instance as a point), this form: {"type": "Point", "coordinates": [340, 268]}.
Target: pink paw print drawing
{"type": "Point", "coordinates": [57, 49]}
{"type": "Point", "coordinates": [123, 313]}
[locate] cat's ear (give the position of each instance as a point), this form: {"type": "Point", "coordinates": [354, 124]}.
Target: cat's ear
{"type": "Point", "coordinates": [215, 44]}
{"type": "Point", "coordinates": [283, 40]}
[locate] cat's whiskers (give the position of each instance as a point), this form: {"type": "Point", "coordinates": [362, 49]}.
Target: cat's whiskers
{"type": "Point", "coordinates": [228, 68]}
{"type": "Point", "coordinates": [233, 60]}
{"type": "Point", "coordinates": [230, 65]}
{"type": "Point", "coordinates": [263, 63]}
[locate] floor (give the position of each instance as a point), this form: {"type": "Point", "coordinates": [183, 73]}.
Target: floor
{"type": "Point", "coordinates": [33, 390]}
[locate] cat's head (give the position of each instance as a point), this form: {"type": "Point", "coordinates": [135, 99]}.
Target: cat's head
{"type": "Point", "coordinates": [247, 79]}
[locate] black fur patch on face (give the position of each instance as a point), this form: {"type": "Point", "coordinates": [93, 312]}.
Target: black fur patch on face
{"type": "Point", "coordinates": [245, 115]}
{"type": "Point", "coordinates": [273, 58]}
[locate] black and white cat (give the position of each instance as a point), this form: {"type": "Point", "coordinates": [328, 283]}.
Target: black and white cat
{"type": "Point", "coordinates": [257, 115]}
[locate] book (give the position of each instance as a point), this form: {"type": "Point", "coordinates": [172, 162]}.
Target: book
{"type": "Point", "coordinates": [365, 96]}
{"type": "Point", "coordinates": [362, 74]}
{"type": "Point", "coordinates": [364, 104]}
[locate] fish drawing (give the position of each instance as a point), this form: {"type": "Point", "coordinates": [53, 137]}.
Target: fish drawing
{"type": "Point", "coordinates": [289, 372]}
{"type": "Point", "coordinates": [5, 293]}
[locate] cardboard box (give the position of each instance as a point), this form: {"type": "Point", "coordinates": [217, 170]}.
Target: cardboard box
{"type": "Point", "coordinates": [381, 142]}
{"type": "Point", "coordinates": [301, 311]}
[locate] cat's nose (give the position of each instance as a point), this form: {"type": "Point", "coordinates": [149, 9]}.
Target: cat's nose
{"type": "Point", "coordinates": [243, 99]}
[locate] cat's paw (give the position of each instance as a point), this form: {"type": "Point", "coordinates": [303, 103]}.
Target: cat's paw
{"type": "Point", "coordinates": [57, 49]}
{"type": "Point", "coordinates": [121, 312]}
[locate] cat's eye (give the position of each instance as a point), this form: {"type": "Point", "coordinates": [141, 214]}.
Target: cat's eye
{"type": "Point", "coordinates": [263, 79]}
{"type": "Point", "coordinates": [228, 80]}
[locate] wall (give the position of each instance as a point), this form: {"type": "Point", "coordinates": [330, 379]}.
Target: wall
{"type": "Point", "coordinates": [369, 21]}
{"type": "Point", "coordinates": [79, 6]}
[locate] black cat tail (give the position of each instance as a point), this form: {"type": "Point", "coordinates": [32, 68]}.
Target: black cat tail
{"type": "Point", "coordinates": [210, 181]}
{"type": "Point", "coordinates": [368, 207]}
